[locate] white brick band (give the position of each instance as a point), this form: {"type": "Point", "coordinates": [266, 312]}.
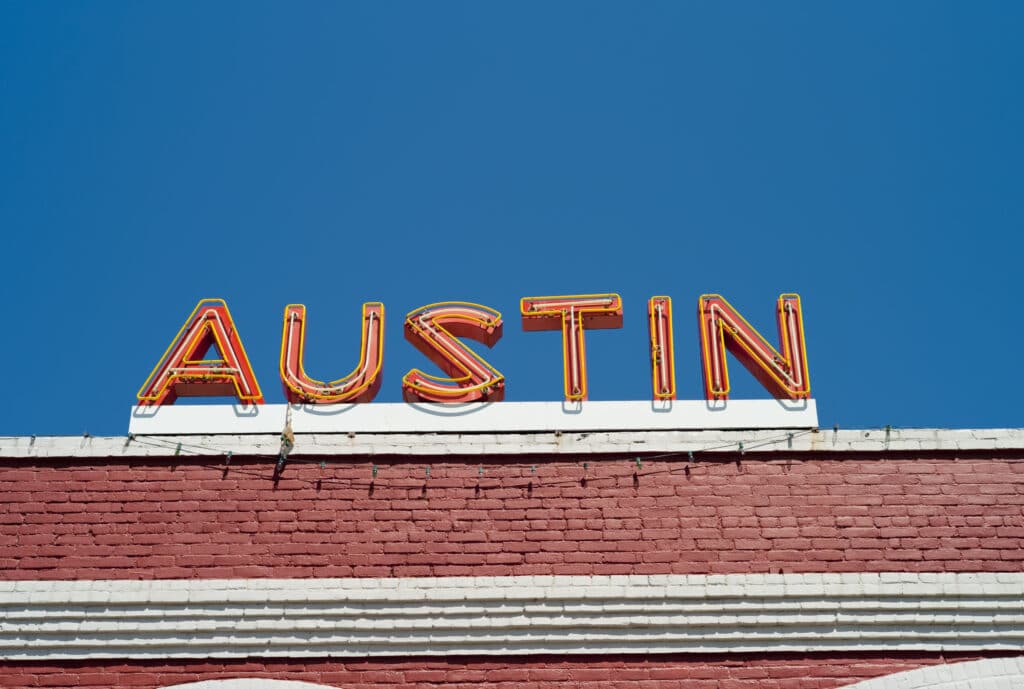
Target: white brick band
{"type": "Point", "coordinates": [512, 444]}
{"type": "Point", "coordinates": [511, 615]}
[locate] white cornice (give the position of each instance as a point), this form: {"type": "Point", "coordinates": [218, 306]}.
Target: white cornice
{"type": "Point", "coordinates": [56, 620]}
{"type": "Point", "coordinates": [763, 442]}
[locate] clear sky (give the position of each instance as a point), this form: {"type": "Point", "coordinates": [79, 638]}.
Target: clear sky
{"type": "Point", "coordinates": [865, 155]}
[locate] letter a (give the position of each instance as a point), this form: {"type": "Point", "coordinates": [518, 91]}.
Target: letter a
{"type": "Point", "coordinates": [183, 372]}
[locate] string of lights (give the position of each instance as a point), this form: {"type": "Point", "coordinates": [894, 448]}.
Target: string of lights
{"type": "Point", "coordinates": [638, 465]}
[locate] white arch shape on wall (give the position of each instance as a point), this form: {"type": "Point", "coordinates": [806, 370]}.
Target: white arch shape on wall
{"type": "Point", "coordinates": [250, 683]}
{"type": "Point", "coordinates": [991, 673]}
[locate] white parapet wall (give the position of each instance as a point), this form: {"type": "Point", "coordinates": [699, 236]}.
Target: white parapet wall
{"type": "Point", "coordinates": [498, 417]}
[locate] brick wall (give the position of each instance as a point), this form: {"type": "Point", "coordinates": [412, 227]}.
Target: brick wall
{"type": "Point", "coordinates": [199, 517]}
{"type": "Point", "coordinates": [776, 671]}
{"type": "Point", "coordinates": [192, 517]}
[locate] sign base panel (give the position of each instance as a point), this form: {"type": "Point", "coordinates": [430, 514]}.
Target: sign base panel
{"type": "Point", "coordinates": [498, 417]}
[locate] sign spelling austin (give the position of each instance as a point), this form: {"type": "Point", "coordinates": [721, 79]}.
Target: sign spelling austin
{"type": "Point", "coordinates": [441, 330]}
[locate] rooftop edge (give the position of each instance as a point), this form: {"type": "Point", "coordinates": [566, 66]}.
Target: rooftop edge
{"type": "Point", "coordinates": [354, 444]}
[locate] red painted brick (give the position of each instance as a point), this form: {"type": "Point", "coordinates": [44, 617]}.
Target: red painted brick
{"type": "Point", "coordinates": [148, 519]}
{"type": "Point", "coordinates": [754, 671]}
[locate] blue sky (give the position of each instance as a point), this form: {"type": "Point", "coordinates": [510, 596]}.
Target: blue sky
{"type": "Point", "coordinates": [865, 155]}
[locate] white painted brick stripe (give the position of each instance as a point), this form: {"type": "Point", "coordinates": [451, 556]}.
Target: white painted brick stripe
{"type": "Point", "coordinates": [511, 444]}
{"type": "Point", "coordinates": [52, 620]}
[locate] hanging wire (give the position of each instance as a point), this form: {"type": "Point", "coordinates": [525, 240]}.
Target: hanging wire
{"type": "Point", "coordinates": [201, 449]}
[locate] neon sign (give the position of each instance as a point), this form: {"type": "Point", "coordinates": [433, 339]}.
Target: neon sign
{"type": "Point", "coordinates": [179, 373]}
{"type": "Point", "coordinates": [359, 386]}
{"type": "Point", "coordinates": [722, 327]}
{"type": "Point", "coordinates": [434, 330]}
{"type": "Point", "coordinates": [439, 330]}
{"type": "Point", "coordinates": [572, 315]}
